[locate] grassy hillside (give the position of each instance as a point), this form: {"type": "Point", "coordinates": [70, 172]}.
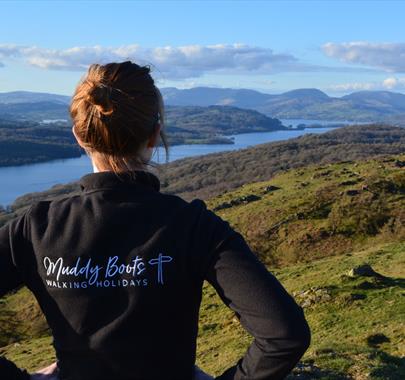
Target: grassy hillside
{"type": "Point", "coordinates": [215, 173]}
{"type": "Point", "coordinates": [311, 226]}
{"type": "Point", "coordinates": [346, 326]}
{"type": "Point", "coordinates": [319, 210]}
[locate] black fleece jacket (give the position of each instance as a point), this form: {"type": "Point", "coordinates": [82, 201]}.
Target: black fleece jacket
{"type": "Point", "coordinates": [118, 271]}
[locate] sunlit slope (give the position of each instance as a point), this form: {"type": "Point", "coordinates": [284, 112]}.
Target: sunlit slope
{"type": "Point", "coordinates": [346, 326]}
{"type": "Point", "coordinates": [311, 226]}
{"type": "Point", "coordinates": [319, 211]}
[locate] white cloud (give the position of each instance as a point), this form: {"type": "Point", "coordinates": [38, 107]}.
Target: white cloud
{"type": "Point", "coordinates": [390, 83]}
{"type": "Point", "coordinates": [356, 86]}
{"type": "Point", "coordinates": [169, 62]}
{"type": "Point", "coordinates": [386, 56]}
{"type": "Point", "coordinates": [172, 62]}
{"type": "Point", "coordinates": [394, 83]}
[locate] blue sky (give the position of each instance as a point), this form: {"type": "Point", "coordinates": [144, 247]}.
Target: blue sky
{"type": "Point", "coordinates": [272, 46]}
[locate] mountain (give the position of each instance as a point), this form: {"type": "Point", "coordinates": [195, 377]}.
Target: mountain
{"type": "Point", "coordinates": [394, 98]}
{"type": "Point", "coordinates": [34, 111]}
{"type": "Point", "coordinates": [390, 101]}
{"type": "Point", "coordinates": [318, 229]}
{"type": "Point", "coordinates": [206, 96]}
{"type": "Point", "coordinates": [311, 93]}
{"type": "Point", "coordinates": [311, 104]}
{"type": "Point", "coordinates": [16, 97]}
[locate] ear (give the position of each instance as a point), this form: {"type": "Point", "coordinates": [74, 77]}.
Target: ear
{"type": "Point", "coordinates": [153, 139]}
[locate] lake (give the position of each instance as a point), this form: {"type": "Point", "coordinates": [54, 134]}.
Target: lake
{"type": "Point", "coordinates": [19, 180]}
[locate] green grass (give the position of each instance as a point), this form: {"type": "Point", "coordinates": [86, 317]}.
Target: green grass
{"type": "Point", "coordinates": [312, 215]}
{"type": "Point", "coordinates": [321, 232]}
{"type": "Point", "coordinates": [340, 327]}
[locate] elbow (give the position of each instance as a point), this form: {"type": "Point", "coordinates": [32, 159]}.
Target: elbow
{"type": "Point", "coordinates": [305, 337]}
{"type": "Point", "coordinates": [297, 332]}
{"type": "Point", "coordinates": [302, 335]}
{"type": "Point", "coordinates": [294, 336]}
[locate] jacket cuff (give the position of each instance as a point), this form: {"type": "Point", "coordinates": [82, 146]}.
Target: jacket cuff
{"type": "Point", "coordinates": [9, 371]}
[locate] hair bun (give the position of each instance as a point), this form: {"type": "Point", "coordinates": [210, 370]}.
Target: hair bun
{"type": "Point", "coordinates": [99, 95]}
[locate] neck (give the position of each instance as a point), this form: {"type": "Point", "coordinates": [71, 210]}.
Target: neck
{"type": "Point", "coordinates": [96, 168]}
{"type": "Point", "coordinates": [100, 162]}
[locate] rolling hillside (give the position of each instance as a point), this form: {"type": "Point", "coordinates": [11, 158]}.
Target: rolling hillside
{"type": "Point", "coordinates": [319, 210]}
{"type": "Point", "coordinates": [315, 227]}
{"type": "Point", "coordinates": [215, 173]}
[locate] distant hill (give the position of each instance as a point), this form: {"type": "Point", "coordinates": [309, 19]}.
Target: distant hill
{"type": "Point", "coordinates": [34, 111]}
{"type": "Point", "coordinates": [28, 140]}
{"type": "Point", "coordinates": [33, 106]}
{"type": "Point", "coordinates": [297, 104]}
{"type": "Point", "coordinates": [16, 97]}
{"type": "Point", "coordinates": [206, 96]}
{"type": "Point", "coordinates": [219, 119]}
{"type": "Point", "coordinates": [310, 104]}
{"type": "Point", "coordinates": [310, 93]}
{"type": "Point", "coordinates": [24, 142]}
{"type": "Point", "coordinates": [377, 98]}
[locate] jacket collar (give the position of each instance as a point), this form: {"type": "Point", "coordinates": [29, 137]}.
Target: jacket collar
{"type": "Point", "coordinates": [109, 179]}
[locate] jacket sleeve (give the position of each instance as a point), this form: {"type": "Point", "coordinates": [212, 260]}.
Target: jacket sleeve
{"type": "Point", "coordinates": [13, 247]}
{"type": "Point", "coordinates": [13, 244]}
{"type": "Point", "coordinates": [264, 307]}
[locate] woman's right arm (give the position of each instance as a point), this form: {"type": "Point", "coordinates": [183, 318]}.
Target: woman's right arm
{"type": "Point", "coordinates": [264, 307]}
{"type": "Point", "coordinates": [15, 248]}
{"type": "Point", "coordinates": [11, 241]}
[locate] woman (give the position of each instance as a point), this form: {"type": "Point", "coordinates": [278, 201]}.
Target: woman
{"type": "Point", "coordinates": [118, 269]}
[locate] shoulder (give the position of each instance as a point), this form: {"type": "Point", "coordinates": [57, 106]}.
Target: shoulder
{"type": "Point", "coordinates": [46, 204]}
{"type": "Point", "coordinates": [194, 206]}
{"type": "Point", "coordinates": [207, 223]}
{"type": "Point", "coordinates": [42, 210]}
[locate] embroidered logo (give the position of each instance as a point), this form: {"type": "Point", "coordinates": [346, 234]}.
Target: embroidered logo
{"type": "Point", "coordinates": [85, 273]}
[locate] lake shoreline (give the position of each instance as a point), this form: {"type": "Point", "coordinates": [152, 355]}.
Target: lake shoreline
{"type": "Point", "coordinates": [22, 179]}
{"type": "Point", "coordinates": [220, 139]}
